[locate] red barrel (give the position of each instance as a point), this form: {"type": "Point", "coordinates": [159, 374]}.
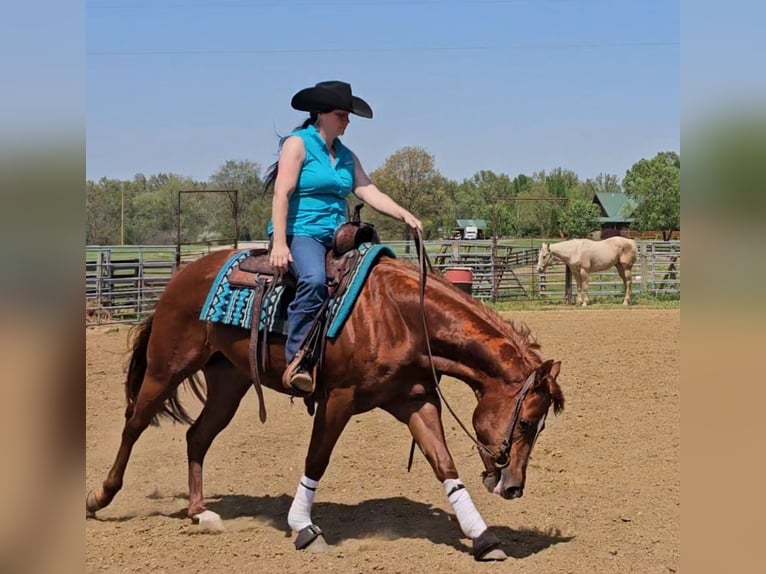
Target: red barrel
{"type": "Point", "coordinates": [461, 277]}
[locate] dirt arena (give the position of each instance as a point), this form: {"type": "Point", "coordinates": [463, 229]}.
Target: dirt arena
{"type": "Point", "coordinates": [603, 488]}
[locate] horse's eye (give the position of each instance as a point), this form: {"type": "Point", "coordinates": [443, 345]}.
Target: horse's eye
{"type": "Point", "coordinates": [524, 425]}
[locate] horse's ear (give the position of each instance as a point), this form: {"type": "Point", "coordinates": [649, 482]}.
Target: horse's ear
{"type": "Point", "coordinates": [547, 374]}
{"type": "Point", "coordinates": [548, 370]}
{"type": "Point", "coordinates": [555, 370]}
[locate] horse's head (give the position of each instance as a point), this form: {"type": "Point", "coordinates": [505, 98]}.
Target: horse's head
{"type": "Point", "coordinates": [545, 257]}
{"type": "Point", "coordinates": [508, 420]}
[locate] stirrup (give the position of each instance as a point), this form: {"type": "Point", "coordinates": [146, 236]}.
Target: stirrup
{"type": "Point", "coordinates": [297, 378]}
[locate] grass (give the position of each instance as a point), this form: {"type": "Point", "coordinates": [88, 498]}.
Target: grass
{"type": "Point", "coordinates": [599, 303]}
{"type": "Point", "coordinates": [149, 253]}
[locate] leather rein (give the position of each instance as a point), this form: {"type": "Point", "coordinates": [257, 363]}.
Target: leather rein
{"type": "Point", "coordinates": [502, 458]}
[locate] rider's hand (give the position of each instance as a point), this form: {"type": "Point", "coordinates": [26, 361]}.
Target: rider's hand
{"type": "Point", "coordinates": [412, 221]}
{"type": "Point", "coordinates": [280, 257]}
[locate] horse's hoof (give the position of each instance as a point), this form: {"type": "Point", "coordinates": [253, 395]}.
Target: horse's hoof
{"type": "Point", "coordinates": [486, 547]}
{"type": "Point", "coordinates": [311, 539]}
{"type": "Point", "coordinates": [209, 521]}
{"type": "Point", "coordinates": [91, 505]}
{"type": "Point", "coordinates": [496, 555]}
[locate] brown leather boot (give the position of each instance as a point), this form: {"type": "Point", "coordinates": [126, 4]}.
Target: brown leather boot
{"type": "Point", "coordinates": [296, 377]}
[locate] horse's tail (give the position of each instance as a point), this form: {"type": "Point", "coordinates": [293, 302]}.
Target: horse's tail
{"type": "Point", "coordinates": [632, 250]}
{"type": "Point", "coordinates": [172, 407]}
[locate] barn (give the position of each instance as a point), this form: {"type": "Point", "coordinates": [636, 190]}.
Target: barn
{"type": "Point", "coordinates": [616, 211]}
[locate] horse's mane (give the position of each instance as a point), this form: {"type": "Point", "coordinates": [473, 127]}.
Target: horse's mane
{"type": "Point", "coordinates": [517, 333]}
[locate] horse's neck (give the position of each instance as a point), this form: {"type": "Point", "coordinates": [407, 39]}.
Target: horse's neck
{"type": "Point", "coordinates": [467, 341]}
{"type": "Point", "coordinates": [566, 250]}
{"type": "Point", "coordinates": [476, 353]}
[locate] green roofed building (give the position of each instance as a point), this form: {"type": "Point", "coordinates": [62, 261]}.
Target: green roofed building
{"type": "Point", "coordinates": [477, 223]}
{"type": "Point", "coordinates": [616, 210]}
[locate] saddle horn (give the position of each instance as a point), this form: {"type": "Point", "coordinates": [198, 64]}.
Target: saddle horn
{"type": "Point", "coordinates": [357, 218]}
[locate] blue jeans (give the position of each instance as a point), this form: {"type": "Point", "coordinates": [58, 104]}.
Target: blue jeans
{"type": "Point", "coordinates": [308, 266]}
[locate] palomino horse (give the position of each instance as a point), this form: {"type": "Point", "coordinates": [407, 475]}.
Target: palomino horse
{"type": "Point", "coordinates": [381, 358]}
{"type": "Point", "coordinates": [584, 256]}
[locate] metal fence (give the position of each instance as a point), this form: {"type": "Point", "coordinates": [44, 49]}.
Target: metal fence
{"type": "Point", "coordinates": [657, 272]}
{"type": "Point", "coordinates": [123, 284]}
{"type": "Point", "coordinates": [508, 270]}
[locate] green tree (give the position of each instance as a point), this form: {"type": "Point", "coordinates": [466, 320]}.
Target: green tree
{"type": "Point", "coordinates": [579, 218]}
{"type": "Point", "coordinates": [521, 184]}
{"type": "Point", "coordinates": [253, 205]}
{"type": "Point", "coordinates": [606, 183]}
{"type": "Point", "coordinates": [147, 224]}
{"type": "Point", "coordinates": [539, 215]}
{"type": "Point", "coordinates": [655, 186]}
{"type": "Point", "coordinates": [155, 212]}
{"type": "Point", "coordinates": [482, 197]}
{"type": "Point", "coordinates": [410, 177]}
{"type": "Point", "coordinates": [559, 181]}
{"type": "Point", "coordinates": [102, 212]}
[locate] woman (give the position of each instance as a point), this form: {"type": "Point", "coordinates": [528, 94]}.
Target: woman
{"type": "Point", "coordinates": [312, 178]}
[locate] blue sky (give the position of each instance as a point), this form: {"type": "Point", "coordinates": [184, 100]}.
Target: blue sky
{"type": "Point", "coordinates": [511, 86]}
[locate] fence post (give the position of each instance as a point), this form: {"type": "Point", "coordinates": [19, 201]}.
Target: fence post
{"type": "Point", "coordinates": [644, 262]}
{"type": "Point", "coordinates": [568, 285]}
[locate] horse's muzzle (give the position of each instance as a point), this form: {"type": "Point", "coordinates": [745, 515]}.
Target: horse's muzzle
{"type": "Point", "coordinates": [490, 478]}
{"type": "Point", "coordinates": [512, 492]}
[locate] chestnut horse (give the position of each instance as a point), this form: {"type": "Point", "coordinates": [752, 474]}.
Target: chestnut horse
{"type": "Point", "coordinates": [381, 358]}
{"type": "Point", "coordinates": [585, 256]}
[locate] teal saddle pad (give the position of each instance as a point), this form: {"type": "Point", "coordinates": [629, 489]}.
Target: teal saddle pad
{"type": "Point", "coordinates": [233, 305]}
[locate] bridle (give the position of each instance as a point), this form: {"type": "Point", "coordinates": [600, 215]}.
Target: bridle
{"type": "Point", "coordinates": [502, 458]}
{"type": "Point", "coordinates": [547, 258]}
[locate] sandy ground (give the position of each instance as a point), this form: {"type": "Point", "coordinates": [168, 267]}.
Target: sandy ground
{"type": "Point", "coordinates": [603, 488]}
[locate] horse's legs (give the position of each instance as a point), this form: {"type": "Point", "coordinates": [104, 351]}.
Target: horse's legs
{"type": "Point", "coordinates": [423, 417]}
{"type": "Point", "coordinates": [626, 275]}
{"type": "Point", "coordinates": [225, 388]}
{"type": "Point", "coordinates": [578, 282]}
{"type": "Point", "coordinates": [167, 365]}
{"type": "Point", "coordinates": [583, 287]}
{"type": "Point", "coordinates": [154, 391]}
{"type": "Point", "coordinates": [329, 421]}
{"type": "Point", "coordinates": [424, 421]}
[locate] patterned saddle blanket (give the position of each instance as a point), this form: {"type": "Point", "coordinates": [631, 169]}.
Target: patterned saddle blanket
{"type": "Point", "coordinates": [233, 304]}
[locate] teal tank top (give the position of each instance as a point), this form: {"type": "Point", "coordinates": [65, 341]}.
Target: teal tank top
{"type": "Point", "coordinates": [317, 206]}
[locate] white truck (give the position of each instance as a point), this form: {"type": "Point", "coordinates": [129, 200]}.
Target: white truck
{"type": "Point", "coordinates": [471, 232]}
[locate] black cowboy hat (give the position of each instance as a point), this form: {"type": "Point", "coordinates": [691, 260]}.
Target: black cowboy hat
{"type": "Point", "coordinates": [328, 96]}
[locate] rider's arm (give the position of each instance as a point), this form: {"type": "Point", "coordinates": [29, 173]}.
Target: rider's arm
{"type": "Point", "coordinates": [368, 192]}
{"type": "Point", "coordinates": [290, 163]}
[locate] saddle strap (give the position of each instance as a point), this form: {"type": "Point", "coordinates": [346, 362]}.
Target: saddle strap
{"type": "Point", "coordinates": [312, 346]}
{"type": "Point", "coordinates": [264, 338]}
{"type": "Point", "coordinates": [260, 288]}
{"type": "Point", "coordinates": [342, 280]}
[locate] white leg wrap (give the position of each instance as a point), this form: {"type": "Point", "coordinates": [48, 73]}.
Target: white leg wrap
{"type": "Point", "coordinates": [471, 522]}
{"type": "Point", "coordinates": [300, 510]}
